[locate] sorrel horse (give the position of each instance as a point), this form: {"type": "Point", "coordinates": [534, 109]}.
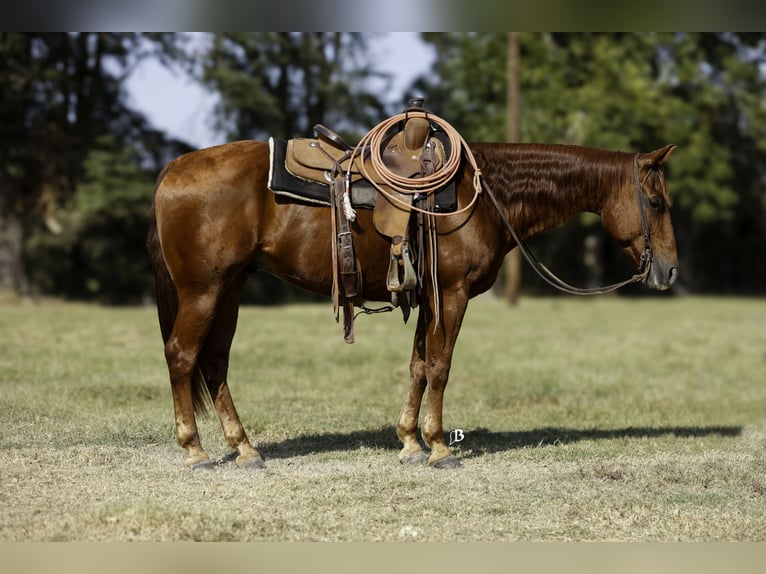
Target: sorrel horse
{"type": "Point", "coordinates": [214, 221]}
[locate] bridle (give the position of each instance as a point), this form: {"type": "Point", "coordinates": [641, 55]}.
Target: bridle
{"type": "Point", "coordinates": [645, 259]}
{"type": "Point", "coordinates": [646, 255]}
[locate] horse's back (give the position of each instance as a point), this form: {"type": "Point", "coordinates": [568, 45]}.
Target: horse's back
{"type": "Point", "coordinates": [235, 166]}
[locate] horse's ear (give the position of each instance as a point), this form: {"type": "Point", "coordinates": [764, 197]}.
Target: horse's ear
{"type": "Point", "coordinates": [657, 157]}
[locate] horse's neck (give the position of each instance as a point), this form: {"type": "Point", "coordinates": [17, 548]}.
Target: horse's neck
{"type": "Point", "coordinates": [542, 186]}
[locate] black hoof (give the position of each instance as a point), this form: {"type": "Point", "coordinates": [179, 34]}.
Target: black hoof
{"type": "Point", "coordinates": [204, 465]}
{"type": "Point", "coordinates": [233, 456]}
{"type": "Point", "coordinates": [227, 458]}
{"type": "Point", "coordinates": [446, 463]}
{"type": "Point", "coordinates": [252, 463]}
{"type": "Point", "coordinates": [415, 458]}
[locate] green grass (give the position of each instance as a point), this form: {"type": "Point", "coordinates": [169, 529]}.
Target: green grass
{"type": "Point", "coordinates": [584, 419]}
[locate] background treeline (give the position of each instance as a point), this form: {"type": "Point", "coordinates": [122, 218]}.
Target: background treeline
{"type": "Point", "coordinates": [77, 164]}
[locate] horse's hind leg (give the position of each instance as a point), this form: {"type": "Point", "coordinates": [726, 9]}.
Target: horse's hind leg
{"type": "Point", "coordinates": [195, 315]}
{"type": "Point", "coordinates": [214, 363]}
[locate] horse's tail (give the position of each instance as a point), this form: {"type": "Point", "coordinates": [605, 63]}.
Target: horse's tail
{"type": "Point", "coordinates": [167, 300]}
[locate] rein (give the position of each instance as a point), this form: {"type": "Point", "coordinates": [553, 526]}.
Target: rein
{"type": "Point", "coordinates": [551, 279]}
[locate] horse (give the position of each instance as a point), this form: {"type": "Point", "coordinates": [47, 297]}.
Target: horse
{"type": "Point", "coordinates": [214, 221]}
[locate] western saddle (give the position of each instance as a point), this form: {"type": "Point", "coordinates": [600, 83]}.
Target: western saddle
{"type": "Point", "coordinates": [411, 152]}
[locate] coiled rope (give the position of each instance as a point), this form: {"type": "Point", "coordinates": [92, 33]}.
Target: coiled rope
{"type": "Point", "coordinates": [425, 185]}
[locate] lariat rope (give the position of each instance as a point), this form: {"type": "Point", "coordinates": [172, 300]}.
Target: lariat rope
{"type": "Point", "coordinates": [372, 143]}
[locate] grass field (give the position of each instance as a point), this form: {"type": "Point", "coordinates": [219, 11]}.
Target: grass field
{"type": "Point", "coordinates": [584, 419]}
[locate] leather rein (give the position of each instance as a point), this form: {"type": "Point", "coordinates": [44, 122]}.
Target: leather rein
{"type": "Point", "coordinates": [550, 278]}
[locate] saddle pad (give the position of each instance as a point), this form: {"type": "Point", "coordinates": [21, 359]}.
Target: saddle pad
{"type": "Point", "coordinates": [363, 193]}
{"type": "Point", "coordinates": [284, 183]}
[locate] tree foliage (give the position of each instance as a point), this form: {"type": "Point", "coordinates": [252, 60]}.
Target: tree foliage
{"type": "Point", "coordinates": [282, 83]}
{"type": "Point", "coordinates": [61, 97]}
{"type": "Point", "coordinates": [98, 254]}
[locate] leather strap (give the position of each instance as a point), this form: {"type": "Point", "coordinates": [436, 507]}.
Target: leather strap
{"type": "Point", "coordinates": [346, 260]}
{"type": "Point", "coordinates": [332, 137]}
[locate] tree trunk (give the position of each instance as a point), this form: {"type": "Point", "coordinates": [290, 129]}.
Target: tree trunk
{"type": "Point", "coordinates": [512, 262]}
{"type": "Point", "coordinates": [13, 281]}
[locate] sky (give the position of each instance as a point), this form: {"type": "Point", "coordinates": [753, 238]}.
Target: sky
{"type": "Point", "coordinates": [175, 103]}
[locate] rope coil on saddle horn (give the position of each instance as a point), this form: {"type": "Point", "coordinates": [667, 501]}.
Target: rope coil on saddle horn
{"type": "Point", "coordinates": [373, 143]}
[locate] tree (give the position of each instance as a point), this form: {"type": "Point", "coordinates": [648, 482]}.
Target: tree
{"type": "Point", "coordinates": [512, 263]}
{"type": "Point", "coordinates": [99, 253]}
{"type": "Point", "coordinates": [467, 85]}
{"type": "Point", "coordinates": [719, 181]}
{"type": "Point", "coordinates": [282, 84]}
{"type": "Point", "coordinates": [60, 94]}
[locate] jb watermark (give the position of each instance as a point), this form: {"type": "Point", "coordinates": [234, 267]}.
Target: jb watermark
{"type": "Point", "coordinates": [455, 436]}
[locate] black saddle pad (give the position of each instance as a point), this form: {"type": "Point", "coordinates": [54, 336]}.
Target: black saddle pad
{"type": "Point", "coordinates": [363, 193]}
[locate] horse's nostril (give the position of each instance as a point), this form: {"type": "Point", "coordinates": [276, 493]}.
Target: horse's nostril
{"type": "Point", "coordinates": [672, 275]}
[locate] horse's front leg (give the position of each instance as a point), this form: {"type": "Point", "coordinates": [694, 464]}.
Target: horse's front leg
{"type": "Point", "coordinates": [432, 427]}
{"type": "Point", "coordinates": [429, 369]}
{"type": "Point", "coordinates": [407, 424]}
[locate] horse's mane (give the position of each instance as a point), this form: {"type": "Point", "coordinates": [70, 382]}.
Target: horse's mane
{"type": "Point", "coordinates": [557, 178]}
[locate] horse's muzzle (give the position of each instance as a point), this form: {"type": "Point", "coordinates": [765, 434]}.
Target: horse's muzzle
{"type": "Point", "coordinates": [661, 276]}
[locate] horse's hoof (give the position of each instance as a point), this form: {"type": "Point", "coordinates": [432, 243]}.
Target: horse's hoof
{"type": "Point", "coordinates": [227, 458]}
{"type": "Point", "coordinates": [447, 462]}
{"type": "Point", "coordinates": [418, 457]}
{"type": "Point", "coordinates": [203, 465]}
{"type": "Point", "coordinates": [198, 460]}
{"type": "Point", "coordinates": [253, 462]}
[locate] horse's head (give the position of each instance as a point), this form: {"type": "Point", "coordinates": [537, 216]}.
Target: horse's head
{"type": "Point", "coordinates": [622, 217]}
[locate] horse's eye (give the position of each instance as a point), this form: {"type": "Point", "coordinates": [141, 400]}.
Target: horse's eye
{"type": "Point", "coordinates": [656, 202]}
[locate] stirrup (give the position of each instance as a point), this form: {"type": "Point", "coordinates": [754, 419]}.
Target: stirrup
{"type": "Point", "coordinates": [410, 280]}
{"type": "Point", "coordinates": [400, 260]}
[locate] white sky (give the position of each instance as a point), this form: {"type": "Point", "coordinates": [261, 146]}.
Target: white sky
{"type": "Point", "coordinates": [181, 107]}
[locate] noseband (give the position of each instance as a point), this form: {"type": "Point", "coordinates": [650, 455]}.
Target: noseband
{"type": "Point", "coordinates": [546, 274]}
